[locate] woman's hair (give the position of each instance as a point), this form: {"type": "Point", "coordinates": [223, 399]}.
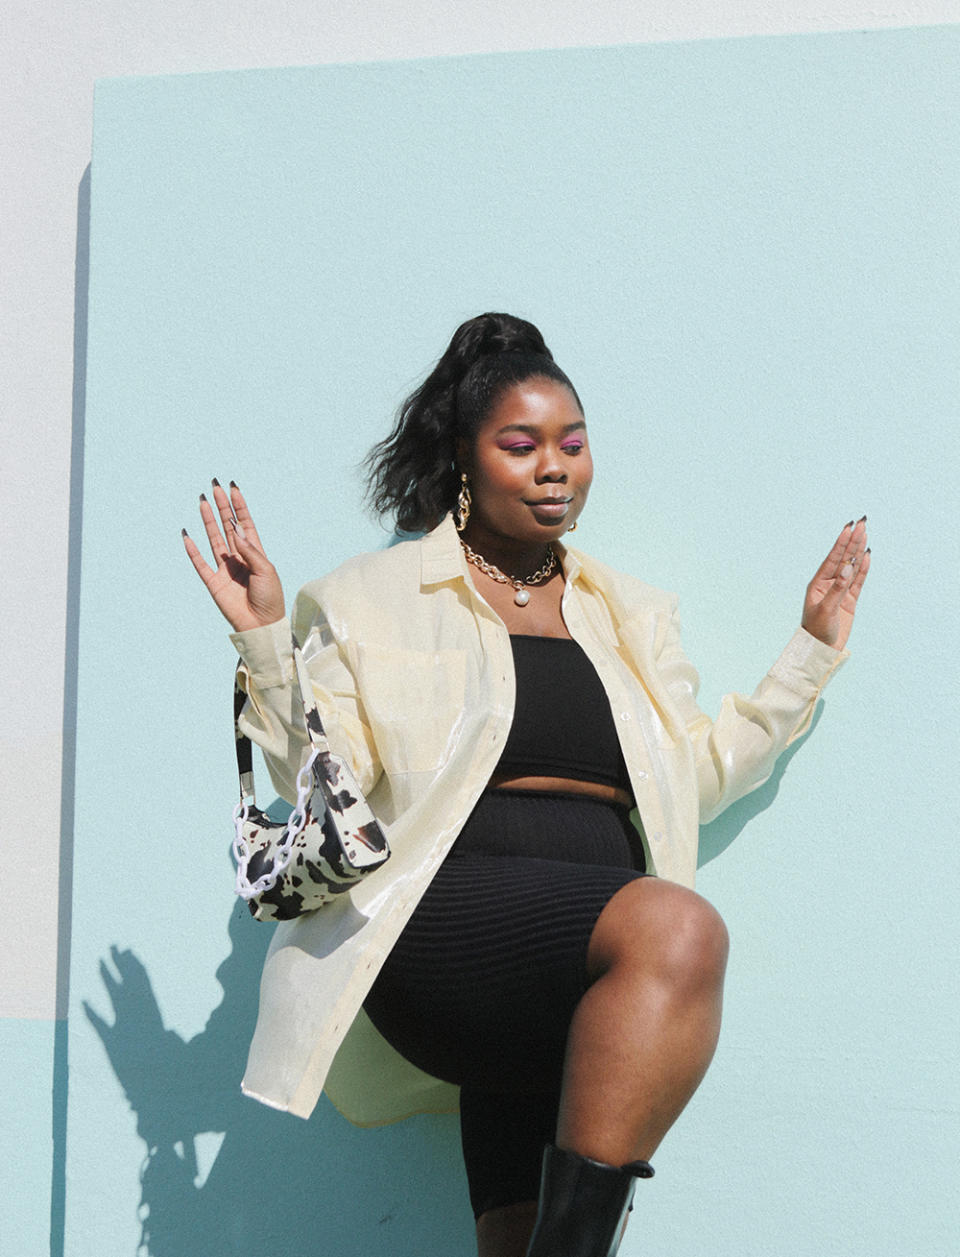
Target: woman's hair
{"type": "Point", "coordinates": [413, 471]}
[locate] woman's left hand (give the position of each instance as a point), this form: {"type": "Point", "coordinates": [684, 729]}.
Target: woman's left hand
{"type": "Point", "coordinates": [831, 600]}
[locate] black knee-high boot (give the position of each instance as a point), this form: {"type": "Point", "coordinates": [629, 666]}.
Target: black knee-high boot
{"type": "Point", "coordinates": [582, 1205]}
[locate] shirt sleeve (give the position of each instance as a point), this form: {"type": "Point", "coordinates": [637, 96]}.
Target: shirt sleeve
{"type": "Point", "coordinates": [736, 753]}
{"type": "Point", "coordinates": [272, 716]}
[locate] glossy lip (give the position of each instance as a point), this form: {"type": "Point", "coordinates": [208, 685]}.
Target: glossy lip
{"type": "Point", "coordinates": [550, 508]}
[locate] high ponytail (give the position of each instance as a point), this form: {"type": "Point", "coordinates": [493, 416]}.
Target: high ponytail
{"type": "Point", "coordinates": [412, 472]}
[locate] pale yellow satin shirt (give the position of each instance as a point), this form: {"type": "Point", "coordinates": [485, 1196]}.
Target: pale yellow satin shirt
{"type": "Point", "coordinates": [413, 674]}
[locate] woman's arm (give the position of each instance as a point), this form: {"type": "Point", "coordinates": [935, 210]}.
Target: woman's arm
{"type": "Point", "coordinates": [245, 586]}
{"type": "Point", "coordinates": [273, 714]}
{"type": "Point", "coordinates": [736, 753]}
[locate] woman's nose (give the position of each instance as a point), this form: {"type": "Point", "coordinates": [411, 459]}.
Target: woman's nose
{"type": "Point", "coordinates": [550, 468]}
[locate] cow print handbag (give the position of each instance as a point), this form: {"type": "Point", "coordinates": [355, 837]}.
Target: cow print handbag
{"type": "Point", "coordinates": [330, 841]}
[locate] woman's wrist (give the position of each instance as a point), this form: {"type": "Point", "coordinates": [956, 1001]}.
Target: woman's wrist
{"type": "Point", "coordinates": [250, 624]}
{"type": "Point", "coordinates": [818, 637]}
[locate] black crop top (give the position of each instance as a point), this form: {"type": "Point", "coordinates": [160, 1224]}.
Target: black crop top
{"type": "Point", "coordinates": [562, 724]}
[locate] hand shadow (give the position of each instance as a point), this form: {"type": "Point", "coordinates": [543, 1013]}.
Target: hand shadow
{"type": "Point", "coordinates": [223, 1176]}
{"type": "Point", "coordinates": [719, 834]}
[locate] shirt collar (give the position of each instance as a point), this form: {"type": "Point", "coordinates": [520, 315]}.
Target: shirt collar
{"type": "Point", "coordinates": [442, 557]}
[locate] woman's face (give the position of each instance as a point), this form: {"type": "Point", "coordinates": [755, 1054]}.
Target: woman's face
{"type": "Point", "coordinates": [529, 467]}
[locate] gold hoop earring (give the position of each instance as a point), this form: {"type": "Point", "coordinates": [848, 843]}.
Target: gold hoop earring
{"type": "Point", "coordinates": [463, 503]}
{"type": "Point", "coordinates": [573, 526]}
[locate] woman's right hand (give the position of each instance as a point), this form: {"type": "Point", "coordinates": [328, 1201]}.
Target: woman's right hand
{"type": "Point", "coordinates": [244, 584]}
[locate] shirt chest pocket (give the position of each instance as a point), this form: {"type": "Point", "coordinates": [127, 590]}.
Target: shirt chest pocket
{"type": "Point", "coordinates": [414, 702]}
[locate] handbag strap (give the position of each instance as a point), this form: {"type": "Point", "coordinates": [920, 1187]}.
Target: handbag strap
{"type": "Point", "coordinates": [311, 712]}
{"type": "Point", "coordinates": [311, 715]}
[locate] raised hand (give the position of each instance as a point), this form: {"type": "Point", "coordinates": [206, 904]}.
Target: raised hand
{"type": "Point", "coordinates": [831, 600]}
{"type": "Point", "coordinates": [244, 584]}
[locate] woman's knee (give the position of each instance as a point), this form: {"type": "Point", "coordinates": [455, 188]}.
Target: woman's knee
{"type": "Point", "coordinates": [697, 951]}
{"type": "Point", "coordinates": [664, 931]}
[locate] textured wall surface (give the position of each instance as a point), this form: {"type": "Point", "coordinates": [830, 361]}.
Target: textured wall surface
{"type": "Point", "coordinates": [742, 251]}
{"type": "Point", "coordinates": [49, 61]}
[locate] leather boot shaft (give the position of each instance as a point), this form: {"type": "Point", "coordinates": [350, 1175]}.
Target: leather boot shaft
{"type": "Point", "coordinates": [583, 1204]}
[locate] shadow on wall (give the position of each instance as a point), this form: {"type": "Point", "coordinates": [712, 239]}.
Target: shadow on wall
{"type": "Point", "coordinates": [68, 761]}
{"type": "Point", "coordinates": [223, 1176]}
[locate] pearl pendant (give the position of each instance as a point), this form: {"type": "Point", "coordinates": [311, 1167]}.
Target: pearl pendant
{"type": "Point", "coordinates": [521, 597]}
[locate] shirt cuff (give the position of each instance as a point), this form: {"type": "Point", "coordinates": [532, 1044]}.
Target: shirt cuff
{"type": "Point", "coordinates": [807, 664]}
{"type": "Point", "coordinates": [267, 653]}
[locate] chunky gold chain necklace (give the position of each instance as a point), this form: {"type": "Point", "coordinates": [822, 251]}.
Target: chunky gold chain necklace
{"type": "Point", "coordinates": [521, 596]}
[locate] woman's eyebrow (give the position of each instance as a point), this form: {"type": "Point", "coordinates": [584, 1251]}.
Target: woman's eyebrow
{"type": "Point", "coordinates": [535, 429]}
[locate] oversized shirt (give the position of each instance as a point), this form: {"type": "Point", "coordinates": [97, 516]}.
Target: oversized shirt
{"type": "Point", "coordinates": [413, 674]}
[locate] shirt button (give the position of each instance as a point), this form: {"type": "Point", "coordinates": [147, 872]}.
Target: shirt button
{"type": "Point", "coordinates": [624, 715]}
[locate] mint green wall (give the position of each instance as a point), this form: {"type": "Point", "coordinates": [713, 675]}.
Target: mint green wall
{"type": "Point", "coordinates": [26, 1133]}
{"type": "Point", "coordinates": [744, 252]}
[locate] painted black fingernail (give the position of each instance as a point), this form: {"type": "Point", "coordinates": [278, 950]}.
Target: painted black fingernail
{"type": "Point", "coordinates": [867, 551]}
{"type": "Point", "coordinates": [234, 485]}
{"type": "Point", "coordinates": [216, 483]}
{"type": "Point", "coordinates": [203, 497]}
{"type": "Point", "coordinates": [183, 532]}
{"type": "Point", "coordinates": [862, 519]}
{"type": "Point", "coordinates": [850, 525]}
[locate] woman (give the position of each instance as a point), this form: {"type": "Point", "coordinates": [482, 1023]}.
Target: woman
{"type": "Point", "coordinates": [508, 704]}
